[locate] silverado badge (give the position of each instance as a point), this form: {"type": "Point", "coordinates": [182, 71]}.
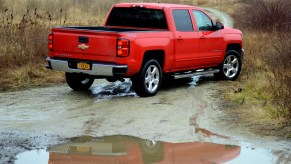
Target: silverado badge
{"type": "Point", "coordinates": [83, 46]}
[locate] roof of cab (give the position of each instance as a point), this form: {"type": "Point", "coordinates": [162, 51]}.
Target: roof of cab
{"type": "Point", "coordinates": [154, 5]}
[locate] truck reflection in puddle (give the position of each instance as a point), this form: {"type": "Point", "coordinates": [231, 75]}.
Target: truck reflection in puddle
{"type": "Point", "coordinates": [126, 149]}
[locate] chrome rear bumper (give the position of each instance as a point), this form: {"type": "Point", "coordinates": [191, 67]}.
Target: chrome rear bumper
{"type": "Point", "coordinates": [97, 69]}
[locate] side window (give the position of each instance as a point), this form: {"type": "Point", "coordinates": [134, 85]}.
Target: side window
{"type": "Point", "coordinates": [204, 23]}
{"type": "Point", "coordinates": [182, 20]}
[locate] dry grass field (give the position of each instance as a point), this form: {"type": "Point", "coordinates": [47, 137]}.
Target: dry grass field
{"type": "Point", "coordinates": [266, 76]}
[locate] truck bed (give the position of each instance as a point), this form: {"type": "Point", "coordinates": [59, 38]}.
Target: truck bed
{"type": "Point", "coordinates": [100, 42]}
{"type": "Point", "coordinates": [109, 29]}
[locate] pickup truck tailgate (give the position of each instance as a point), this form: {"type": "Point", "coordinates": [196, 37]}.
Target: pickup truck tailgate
{"type": "Point", "coordinates": [87, 45]}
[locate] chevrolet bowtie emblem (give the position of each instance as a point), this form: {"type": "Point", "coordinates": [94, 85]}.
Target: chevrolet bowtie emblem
{"type": "Point", "coordinates": [83, 46]}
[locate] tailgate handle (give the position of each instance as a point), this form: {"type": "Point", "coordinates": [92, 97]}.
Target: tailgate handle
{"type": "Point", "coordinates": [83, 39]}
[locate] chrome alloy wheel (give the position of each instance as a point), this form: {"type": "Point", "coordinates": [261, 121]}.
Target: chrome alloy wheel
{"type": "Point", "coordinates": [152, 78]}
{"type": "Point", "coordinates": [231, 66]}
{"type": "Point", "coordinates": [85, 80]}
{"type": "Point", "coordinates": [151, 144]}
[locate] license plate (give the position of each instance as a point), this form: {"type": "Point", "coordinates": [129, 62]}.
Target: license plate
{"type": "Point", "coordinates": [79, 149]}
{"type": "Point", "coordinates": [83, 149]}
{"type": "Point", "coordinates": [84, 66]}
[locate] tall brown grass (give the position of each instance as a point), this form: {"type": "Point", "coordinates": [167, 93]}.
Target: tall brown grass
{"type": "Point", "coordinates": [279, 62]}
{"type": "Point", "coordinates": [24, 26]}
{"type": "Point", "coordinates": [265, 15]}
{"type": "Point", "coordinates": [267, 41]}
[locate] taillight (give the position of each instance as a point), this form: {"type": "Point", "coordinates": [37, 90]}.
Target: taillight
{"type": "Point", "coordinates": [50, 41]}
{"type": "Point", "coordinates": [123, 47]}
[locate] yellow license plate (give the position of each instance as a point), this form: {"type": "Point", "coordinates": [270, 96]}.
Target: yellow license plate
{"type": "Point", "coordinates": [84, 66]}
{"type": "Point", "coordinates": [83, 149]}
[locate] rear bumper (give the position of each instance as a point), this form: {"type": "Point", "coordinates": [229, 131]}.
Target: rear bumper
{"type": "Point", "coordinates": [97, 69]}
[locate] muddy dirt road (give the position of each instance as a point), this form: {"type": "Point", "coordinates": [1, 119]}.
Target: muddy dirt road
{"type": "Point", "coordinates": [109, 108]}
{"type": "Point", "coordinates": [183, 111]}
{"type": "Point", "coordinates": [219, 15]}
{"type": "Point", "coordinates": [36, 123]}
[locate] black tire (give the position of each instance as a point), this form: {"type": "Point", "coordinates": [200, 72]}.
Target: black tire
{"type": "Point", "coordinates": [111, 79]}
{"type": "Point", "coordinates": [148, 81]}
{"type": "Point", "coordinates": [79, 82]}
{"type": "Point", "coordinates": [231, 66]}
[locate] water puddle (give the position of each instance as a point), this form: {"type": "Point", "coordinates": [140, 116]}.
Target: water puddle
{"type": "Point", "coordinates": [33, 156]}
{"type": "Point", "coordinates": [127, 149]}
{"type": "Point", "coordinates": [124, 89]}
{"type": "Point", "coordinates": [113, 90]}
{"type": "Point", "coordinates": [194, 81]}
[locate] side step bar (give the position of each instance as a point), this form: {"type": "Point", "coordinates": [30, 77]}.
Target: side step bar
{"type": "Point", "coordinates": [197, 73]}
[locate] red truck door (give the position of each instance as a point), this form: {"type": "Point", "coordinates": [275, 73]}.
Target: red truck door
{"type": "Point", "coordinates": [186, 40]}
{"type": "Point", "coordinates": [210, 40]}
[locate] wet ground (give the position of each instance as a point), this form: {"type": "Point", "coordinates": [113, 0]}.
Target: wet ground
{"type": "Point", "coordinates": [184, 116]}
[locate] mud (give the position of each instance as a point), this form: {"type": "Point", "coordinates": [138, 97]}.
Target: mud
{"type": "Point", "coordinates": [13, 143]}
{"type": "Point", "coordinates": [186, 110]}
{"type": "Point", "coordinates": [108, 108]}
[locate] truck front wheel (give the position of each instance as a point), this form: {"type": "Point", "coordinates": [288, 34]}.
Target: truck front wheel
{"type": "Point", "coordinates": [148, 81]}
{"type": "Point", "coordinates": [79, 82]}
{"type": "Point", "coordinates": [231, 66]}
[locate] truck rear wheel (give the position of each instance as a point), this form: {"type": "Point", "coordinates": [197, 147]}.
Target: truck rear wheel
{"type": "Point", "coordinates": [148, 81]}
{"type": "Point", "coordinates": [231, 66]}
{"type": "Point", "coordinates": [79, 82]}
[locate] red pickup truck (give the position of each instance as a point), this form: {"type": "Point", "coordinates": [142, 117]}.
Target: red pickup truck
{"type": "Point", "coordinates": [146, 42]}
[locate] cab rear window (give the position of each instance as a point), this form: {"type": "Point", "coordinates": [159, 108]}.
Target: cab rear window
{"type": "Point", "coordinates": [137, 17]}
{"type": "Point", "coordinates": [182, 20]}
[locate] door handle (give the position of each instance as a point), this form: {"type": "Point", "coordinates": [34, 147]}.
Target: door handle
{"type": "Point", "coordinates": [180, 38]}
{"type": "Point", "coordinates": [203, 37]}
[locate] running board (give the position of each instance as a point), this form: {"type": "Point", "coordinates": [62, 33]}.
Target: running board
{"type": "Point", "coordinates": [197, 73]}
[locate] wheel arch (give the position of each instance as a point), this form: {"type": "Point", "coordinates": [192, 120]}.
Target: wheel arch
{"type": "Point", "coordinates": [234, 46]}
{"type": "Point", "coordinates": [158, 55]}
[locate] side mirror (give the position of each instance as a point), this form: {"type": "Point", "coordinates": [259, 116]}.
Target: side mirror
{"type": "Point", "coordinates": [219, 26]}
